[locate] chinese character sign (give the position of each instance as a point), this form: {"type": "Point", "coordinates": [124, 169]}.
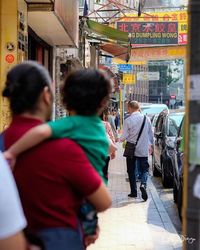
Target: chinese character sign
{"type": "Point", "coordinates": [157, 28]}
{"type": "Point", "coordinates": [151, 32]}
{"type": "Point", "coordinates": [129, 78]}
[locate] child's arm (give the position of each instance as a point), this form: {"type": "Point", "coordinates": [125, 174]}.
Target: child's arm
{"type": "Point", "coordinates": [33, 137]}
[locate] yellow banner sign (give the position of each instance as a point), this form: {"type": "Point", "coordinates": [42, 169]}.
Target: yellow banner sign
{"type": "Point", "coordinates": [180, 16]}
{"type": "Point", "coordinates": [156, 27]}
{"type": "Point", "coordinates": [129, 79]}
{"type": "Point", "coordinates": [158, 53]}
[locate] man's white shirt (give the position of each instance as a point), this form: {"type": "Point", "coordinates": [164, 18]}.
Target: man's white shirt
{"type": "Point", "coordinates": [130, 132]}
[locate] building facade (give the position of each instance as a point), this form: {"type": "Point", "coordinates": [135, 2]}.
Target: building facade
{"type": "Point", "coordinates": [34, 29]}
{"type": "Point", "coordinates": [139, 91]}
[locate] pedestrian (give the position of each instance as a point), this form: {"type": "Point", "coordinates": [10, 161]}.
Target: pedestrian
{"type": "Point", "coordinates": [111, 120]}
{"type": "Point", "coordinates": [131, 129]}
{"type": "Point", "coordinates": [54, 177]}
{"type": "Point", "coordinates": [109, 132]}
{"type": "Point", "coordinates": [117, 119]}
{"type": "Point", "coordinates": [12, 220]}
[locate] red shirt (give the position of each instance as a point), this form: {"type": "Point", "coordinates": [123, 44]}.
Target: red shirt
{"type": "Point", "coordinates": [52, 178]}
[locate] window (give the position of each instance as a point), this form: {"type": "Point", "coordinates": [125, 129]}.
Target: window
{"type": "Point", "coordinates": [174, 122]}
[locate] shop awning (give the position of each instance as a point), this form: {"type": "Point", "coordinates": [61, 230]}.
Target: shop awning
{"type": "Point", "coordinates": [56, 22]}
{"type": "Point", "coordinates": [115, 50]}
{"type": "Point", "coordinates": [107, 69]}
{"type": "Point", "coordinates": [108, 32]}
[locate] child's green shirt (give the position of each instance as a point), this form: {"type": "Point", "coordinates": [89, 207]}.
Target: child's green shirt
{"type": "Point", "coordinates": [89, 132]}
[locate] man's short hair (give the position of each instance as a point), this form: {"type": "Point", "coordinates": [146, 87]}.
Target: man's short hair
{"type": "Point", "coordinates": [134, 105]}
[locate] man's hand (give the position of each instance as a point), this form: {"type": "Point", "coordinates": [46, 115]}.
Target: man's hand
{"type": "Point", "coordinates": [10, 158]}
{"type": "Point", "coordinates": [90, 239]}
{"type": "Point", "coordinates": [112, 156]}
{"type": "Point", "coordinates": [121, 140]}
{"type": "Point", "coordinates": [112, 149]}
{"type": "Point", "coordinates": [150, 149]}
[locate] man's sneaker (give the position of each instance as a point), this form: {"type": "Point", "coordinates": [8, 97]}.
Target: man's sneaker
{"type": "Point", "coordinates": [144, 192]}
{"type": "Point", "coordinates": [132, 195]}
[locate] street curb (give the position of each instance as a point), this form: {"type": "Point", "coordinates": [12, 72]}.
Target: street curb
{"type": "Point", "coordinates": [168, 225]}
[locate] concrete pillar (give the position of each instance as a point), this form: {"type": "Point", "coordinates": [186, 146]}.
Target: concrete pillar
{"type": "Point", "coordinates": [93, 56]}
{"type": "Point", "coordinates": [8, 51]}
{"type": "Point", "coordinates": [13, 20]}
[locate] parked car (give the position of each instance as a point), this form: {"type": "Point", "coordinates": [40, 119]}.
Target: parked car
{"type": "Point", "coordinates": [177, 164]}
{"type": "Point", "coordinates": [166, 130]}
{"type": "Point", "coordinates": [150, 109]}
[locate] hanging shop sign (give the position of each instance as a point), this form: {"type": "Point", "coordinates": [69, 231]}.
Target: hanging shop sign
{"type": "Point", "coordinates": [22, 33]}
{"type": "Point", "coordinates": [159, 28]}
{"type": "Point", "coordinates": [158, 53]}
{"type": "Point", "coordinates": [152, 32]}
{"type": "Point", "coordinates": [125, 67]}
{"type": "Point", "coordinates": [128, 79]}
{"type": "Point", "coordinates": [148, 76]}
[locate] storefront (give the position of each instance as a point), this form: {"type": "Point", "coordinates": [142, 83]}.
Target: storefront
{"type": "Point", "coordinates": [32, 29]}
{"type": "Point", "coordinates": [39, 50]}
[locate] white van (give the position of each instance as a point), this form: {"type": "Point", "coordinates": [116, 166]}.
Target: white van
{"type": "Point", "coordinates": [151, 109]}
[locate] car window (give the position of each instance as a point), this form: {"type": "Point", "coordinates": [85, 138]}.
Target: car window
{"type": "Point", "coordinates": [174, 122]}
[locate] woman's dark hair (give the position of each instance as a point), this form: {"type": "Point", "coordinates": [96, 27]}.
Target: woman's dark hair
{"type": "Point", "coordinates": [84, 91]}
{"type": "Point", "coordinates": [24, 84]}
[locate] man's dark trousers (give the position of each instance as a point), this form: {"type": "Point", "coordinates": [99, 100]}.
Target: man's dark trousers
{"type": "Point", "coordinates": [144, 168]}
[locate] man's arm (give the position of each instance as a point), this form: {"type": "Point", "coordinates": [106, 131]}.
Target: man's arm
{"type": "Point", "coordinates": [30, 139]}
{"type": "Point", "coordinates": [150, 135]}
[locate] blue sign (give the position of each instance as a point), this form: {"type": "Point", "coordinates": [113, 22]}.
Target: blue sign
{"type": "Point", "coordinates": [125, 67]}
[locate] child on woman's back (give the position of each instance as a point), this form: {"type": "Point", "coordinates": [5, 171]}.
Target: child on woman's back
{"type": "Point", "coordinates": [85, 95]}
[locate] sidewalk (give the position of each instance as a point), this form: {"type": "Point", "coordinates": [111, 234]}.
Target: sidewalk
{"type": "Point", "coordinates": [131, 224]}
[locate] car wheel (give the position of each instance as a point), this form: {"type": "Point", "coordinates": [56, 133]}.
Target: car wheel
{"type": "Point", "coordinates": [180, 201]}
{"type": "Point", "coordinates": [175, 193]}
{"type": "Point", "coordinates": [156, 173]}
{"type": "Point", "coordinates": [167, 183]}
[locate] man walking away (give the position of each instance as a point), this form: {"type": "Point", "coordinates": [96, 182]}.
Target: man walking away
{"type": "Point", "coordinates": [131, 129]}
